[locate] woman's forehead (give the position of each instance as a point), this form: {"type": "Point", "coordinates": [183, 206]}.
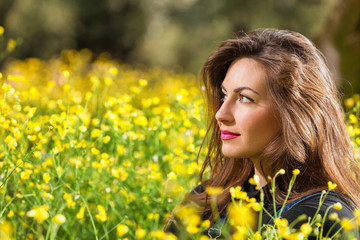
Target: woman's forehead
{"type": "Point", "coordinates": [245, 73]}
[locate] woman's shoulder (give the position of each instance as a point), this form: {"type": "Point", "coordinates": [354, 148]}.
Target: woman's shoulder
{"type": "Point", "coordinates": [333, 201]}
{"type": "Point", "coordinates": [335, 206]}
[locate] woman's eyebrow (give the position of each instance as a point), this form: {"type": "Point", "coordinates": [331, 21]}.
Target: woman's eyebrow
{"type": "Point", "coordinates": [236, 90]}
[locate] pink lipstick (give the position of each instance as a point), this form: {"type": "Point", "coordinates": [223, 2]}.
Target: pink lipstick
{"type": "Point", "coordinates": [227, 135]}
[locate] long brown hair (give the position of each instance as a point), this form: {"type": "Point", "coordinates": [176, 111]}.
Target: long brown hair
{"type": "Point", "coordinates": [313, 138]}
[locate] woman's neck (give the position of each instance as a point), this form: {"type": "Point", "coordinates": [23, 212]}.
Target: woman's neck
{"type": "Point", "coordinates": [263, 181]}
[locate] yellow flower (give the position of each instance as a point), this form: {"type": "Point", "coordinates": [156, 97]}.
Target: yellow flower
{"type": "Point", "coordinates": [282, 225]}
{"type": "Point", "coordinates": [80, 214]}
{"type": "Point", "coordinates": [46, 177]}
{"type": "Point", "coordinates": [10, 214]}
{"type": "Point", "coordinates": [94, 151]}
{"type": "Point", "coordinates": [352, 119]}
{"type": "Point", "coordinates": [158, 234]}
{"type": "Point", "coordinates": [296, 236]}
{"type": "Point", "coordinates": [256, 206]}
{"type": "Point", "coordinates": [338, 206]}
{"type": "Point", "coordinates": [190, 148]}
{"type": "Point", "coordinates": [69, 200]}
{"type": "Point", "coordinates": [25, 175]}
{"type": "Point", "coordinates": [237, 193]}
{"type": "Point", "coordinates": [66, 73]}
{"type": "Point", "coordinates": [113, 71]}
{"type": "Point", "coordinates": [119, 173]}
{"type": "Point", "coordinates": [82, 129]}
{"type": "Point", "coordinates": [202, 133]}
{"type": "Point", "coordinates": [11, 142]}
{"type": "Point", "coordinates": [255, 180]}
{"type": "Point", "coordinates": [241, 216]}
{"type": "Point", "coordinates": [95, 133]}
{"type": "Point", "coordinates": [39, 213]}
{"type": "Point", "coordinates": [331, 185]}
{"type": "Point", "coordinates": [122, 230]}
{"type": "Point", "coordinates": [102, 214]}
{"type": "Point", "coordinates": [203, 237]}
{"type": "Point", "coordinates": [95, 121]}
{"type": "Point", "coordinates": [140, 233]}
{"type": "Point", "coordinates": [59, 219]}
{"type": "Point", "coordinates": [347, 224]}
{"type": "Point", "coordinates": [88, 96]}
{"type": "Point", "coordinates": [16, 78]}
{"type": "Point", "coordinates": [6, 230]}
{"type": "Point", "coordinates": [281, 172]}
{"type": "Point", "coordinates": [257, 236]}
{"type": "Point", "coordinates": [153, 216]}
{"type": "Point", "coordinates": [171, 176]}
{"type": "Point", "coordinates": [306, 229]}
{"type": "Point", "coordinates": [19, 163]}
{"type": "Point", "coordinates": [349, 102]}
{"type": "Point", "coordinates": [296, 172]}
{"type": "Point", "coordinates": [7, 88]}
{"type": "Point", "coordinates": [333, 216]}
{"type": "Point", "coordinates": [190, 218]}
{"type": "Point", "coordinates": [108, 81]}
{"type": "Point", "coordinates": [120, 150]}
{"type": "Point", "coordinates": [19, 195]}
{"type": "Point", "coordinates": [240, 233]}
{"type": "Point", "coordinates": [146, 102]}
{"type": "Point", "coordinates": [141, 121]}
{"type": "Point", "coordinates": [2, 30]}
{"type": "Point", "coordinates": [212, 191]}
{"type": "Point", "coordinates": [48, 196]}
{"type": "Point", "coordinates": [143, 82]}
{"type": "Point", "coordinates": [205, 224]}
{"type": "Point", "coordinates": [134, 89]}
{"type": "Point", "coordinates": [357, 216]}
{"type": "Point", "coordinates": [11, 45]}
{"type": "Point", "coordinates": [106, 139]}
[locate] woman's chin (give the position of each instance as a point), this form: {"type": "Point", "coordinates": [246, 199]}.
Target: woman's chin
{"type": "Point", "coordinates": [232, 154]}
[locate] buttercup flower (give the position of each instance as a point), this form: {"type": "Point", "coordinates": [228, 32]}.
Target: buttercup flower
{"type": "Point", "coordinates": [296, 172]}
{"type": "Point", "coordinates": [338, 206]}
{"type": "Point", "coordinates": [59, 219]}
{"type": "Point", "coordinates": [331, 185]}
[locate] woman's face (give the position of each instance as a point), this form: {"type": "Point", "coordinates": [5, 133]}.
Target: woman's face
{"type": "Point", "coordinates": [247, 118]}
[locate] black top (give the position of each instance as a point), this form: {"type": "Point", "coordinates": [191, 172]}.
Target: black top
{"type": "Point", "coordinates": [307, 205]}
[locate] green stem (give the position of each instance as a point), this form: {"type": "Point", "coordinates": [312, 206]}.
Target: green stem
{"type": "Point", "coordinates": [288, 193]}
{"type": "Point", "coordinates": [273, 194]}
{"type": "Point", "coordinates": [261, 211]}
{"type": "Point", "coordinates": [323, 221]}
{"type": "Point", "coordinates": [91, 218]}
{"type": "Point", "coordinates": [321, 201]}
{"type": "Point", "coordinates": [327, 234]}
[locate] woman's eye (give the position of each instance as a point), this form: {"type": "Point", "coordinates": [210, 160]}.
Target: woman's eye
{"type": "Point", "coordinates": [245, 99]}
{"type": "Point", "coordinates": [224, 97]}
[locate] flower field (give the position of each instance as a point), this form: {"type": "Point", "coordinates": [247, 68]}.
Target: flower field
{"type": "Point", "coordinates": [94, 149]}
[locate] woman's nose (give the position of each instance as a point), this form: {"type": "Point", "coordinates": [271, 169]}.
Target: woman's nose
{"type": "Point", "coordinates": [224, 113]}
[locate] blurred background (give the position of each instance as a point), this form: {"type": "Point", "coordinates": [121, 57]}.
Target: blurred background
{"type": "Point", "coordinates": [182, 33]}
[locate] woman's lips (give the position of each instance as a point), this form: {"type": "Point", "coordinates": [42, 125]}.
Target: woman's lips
{"type": "Point", "coordinates": [227, 135]}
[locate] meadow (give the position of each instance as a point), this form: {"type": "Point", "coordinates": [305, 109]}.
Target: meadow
{"type": "Point", "coordinates": [91, 148]}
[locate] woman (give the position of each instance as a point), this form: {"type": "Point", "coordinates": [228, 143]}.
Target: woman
{"type": "Point", "coordinates": [273, 105]}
